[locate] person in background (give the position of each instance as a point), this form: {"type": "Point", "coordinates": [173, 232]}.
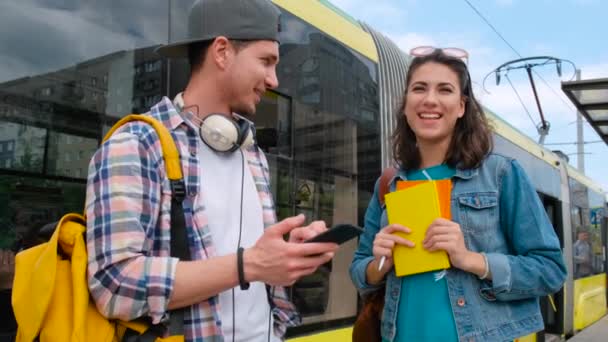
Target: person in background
{"type": "Point", "coordinates": [583, 255]}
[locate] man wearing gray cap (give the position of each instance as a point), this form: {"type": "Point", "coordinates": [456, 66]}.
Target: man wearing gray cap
{"type": "Point", "coordinates": [232, 289]}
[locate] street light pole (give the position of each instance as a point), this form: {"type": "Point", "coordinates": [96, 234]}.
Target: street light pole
{"type": "Point", "coordinates": [580, 146]}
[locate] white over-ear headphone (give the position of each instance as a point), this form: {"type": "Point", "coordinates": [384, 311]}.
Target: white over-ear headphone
{"type": "Point", "coordinates": [221, 133]}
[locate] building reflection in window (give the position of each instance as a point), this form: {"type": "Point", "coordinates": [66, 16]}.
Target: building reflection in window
{"type": "Point", "coordinates": [336, 151]}
{"type": "Point", "coordinates": [73, 68]}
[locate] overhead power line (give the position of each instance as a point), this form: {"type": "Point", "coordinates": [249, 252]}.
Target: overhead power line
{"type": "Point", "coordinates": [493, 28]}
{"type": "Point", "coordinates": [520, 100]}
{"type": "Point", "coordinates": [575, 143]}
{"type": "Point", "coordinates": [515, 50]}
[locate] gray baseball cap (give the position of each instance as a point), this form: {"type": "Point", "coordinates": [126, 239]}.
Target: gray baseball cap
{"type": "Point", "coordinates": [233, 19]}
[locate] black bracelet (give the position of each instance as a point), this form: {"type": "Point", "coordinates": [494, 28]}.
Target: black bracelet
{"type": "Point", "coordinates": [239, 265]}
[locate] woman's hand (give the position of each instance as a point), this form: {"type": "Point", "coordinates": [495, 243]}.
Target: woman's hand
{"type": "Point", "coordinates": [384, 242]}
{"type": "Point", "coordinates": [446, 235]}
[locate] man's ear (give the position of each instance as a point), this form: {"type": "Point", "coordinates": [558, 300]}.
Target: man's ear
{"type": "Point", "coordinates": [221, 52]}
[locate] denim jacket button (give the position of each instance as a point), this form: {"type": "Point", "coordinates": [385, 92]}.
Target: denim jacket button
{"type": "Point", "coordinates": [461, 302]}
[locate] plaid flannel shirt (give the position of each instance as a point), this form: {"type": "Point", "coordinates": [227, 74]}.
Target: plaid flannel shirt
{"type": "Point", "coordinates": [128, 205]}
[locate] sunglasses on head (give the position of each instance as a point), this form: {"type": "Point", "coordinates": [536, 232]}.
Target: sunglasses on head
{"type": "Point", "coordinates": [422, 51]}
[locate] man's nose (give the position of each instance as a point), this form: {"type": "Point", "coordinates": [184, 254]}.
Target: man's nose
{"type": "Point", "coordinates": [271, 79]}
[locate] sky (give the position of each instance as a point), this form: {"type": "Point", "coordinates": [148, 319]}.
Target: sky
{"type": "Point", "coordinates": [567, 29]}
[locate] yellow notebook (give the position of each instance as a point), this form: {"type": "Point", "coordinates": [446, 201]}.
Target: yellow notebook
{"type": "Point", "coordinates": [416, 208]}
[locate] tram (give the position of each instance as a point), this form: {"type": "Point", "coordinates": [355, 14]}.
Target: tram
{"type": "Point", "coordinates": [325, 131]}
{"type": "Point", "coordinates": [575, 204]}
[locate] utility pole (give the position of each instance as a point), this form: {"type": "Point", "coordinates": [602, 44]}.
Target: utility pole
{"type": "Point", "coordinates": [580, 146]}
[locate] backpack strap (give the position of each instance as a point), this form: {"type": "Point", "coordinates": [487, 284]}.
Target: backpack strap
{"type": "Point", "coordinates": [170, 151]}
{"type": "Point", "coordinates": [385, 178]}
{"type": "Point", "coordinates": [368, 323]}
{"type": "Point", "coordinates": [179, 235]}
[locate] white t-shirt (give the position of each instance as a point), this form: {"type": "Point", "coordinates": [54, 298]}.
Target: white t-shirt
{"type": "Point", "coordinates": [221, 175]}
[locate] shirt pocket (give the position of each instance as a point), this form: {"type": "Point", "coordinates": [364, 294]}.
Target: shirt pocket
{"type": "Point", "coordinates": [479, 217]}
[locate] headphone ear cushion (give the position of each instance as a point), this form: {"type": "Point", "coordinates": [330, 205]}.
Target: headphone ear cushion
{"type": "Point", "coordinates": [220, 133]}
{"type": "Point", "coordinates": [246, 138]}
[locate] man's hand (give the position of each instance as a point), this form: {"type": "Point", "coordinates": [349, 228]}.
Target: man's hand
{"type": "Point", "coordinates": [274, 261]}
{"type": "Point", "coordinates": [302, 234]}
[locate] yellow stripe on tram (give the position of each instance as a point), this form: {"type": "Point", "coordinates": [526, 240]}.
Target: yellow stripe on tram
{"type": "Point", "coordinates": [338, 335]}
{"type": "Point", "coordinates": [512, 134]}
{"type": "Point", "coordinates": [528, 338]}
{"type": "Point", "coordinates": [345, 334]}
{"type": "Point", "coordinates": [589, 300]}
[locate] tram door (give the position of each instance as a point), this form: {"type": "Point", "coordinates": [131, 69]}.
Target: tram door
{"type": "Point", "coordinates": [552, 308]}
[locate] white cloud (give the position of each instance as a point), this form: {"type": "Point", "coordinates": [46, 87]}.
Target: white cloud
{"type": "Point", "coordinates": [480, 56]}
{"type": "Point", "coordinates": [562, 116]}
{"type": "Point", "coordinates": [410, 40]}
{"type": "Point", "coordinates": [503, 100]}
{"type": "Point", "coordinates": [594, 71]}
{"type": "Point", "coordinates": [385, 9]}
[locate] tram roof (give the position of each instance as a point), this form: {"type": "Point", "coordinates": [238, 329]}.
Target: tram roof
{"type": "Point", "coordinates": [591, 98]}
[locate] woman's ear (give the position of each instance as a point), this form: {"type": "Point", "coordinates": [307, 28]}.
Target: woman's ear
{"type": "Point", "coordinates": [463, 106]}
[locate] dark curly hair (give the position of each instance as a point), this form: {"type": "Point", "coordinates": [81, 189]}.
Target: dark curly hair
{"type": "Point", "coordinates": [472, 138]}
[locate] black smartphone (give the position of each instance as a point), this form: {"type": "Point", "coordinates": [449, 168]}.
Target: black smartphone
{"type": "Point", "coordinates": [338, 234]}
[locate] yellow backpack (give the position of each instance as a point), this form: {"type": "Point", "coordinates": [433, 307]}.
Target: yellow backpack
{"type": "Point", "coordinates": [50, 295]}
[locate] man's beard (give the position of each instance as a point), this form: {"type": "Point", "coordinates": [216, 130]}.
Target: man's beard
{"type": "Point", "coordinates": [244, 111]}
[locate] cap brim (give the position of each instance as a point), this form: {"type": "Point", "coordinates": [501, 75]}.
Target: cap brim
{"type": "Point", "coordinates": [176, 50]}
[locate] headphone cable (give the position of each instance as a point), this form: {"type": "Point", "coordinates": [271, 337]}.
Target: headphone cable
{"type": "Point", "coordinates": [239, 242]}
{"type": "Point", "coordinates": [239, 245]}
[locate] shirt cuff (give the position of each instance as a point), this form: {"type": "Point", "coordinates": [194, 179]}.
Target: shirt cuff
{"type": "Point", "coordinates": [160, 273]}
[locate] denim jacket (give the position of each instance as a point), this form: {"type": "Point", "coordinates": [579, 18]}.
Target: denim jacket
{"type": "Point", "coordinates": [500, 214]}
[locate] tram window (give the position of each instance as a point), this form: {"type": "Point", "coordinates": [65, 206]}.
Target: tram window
{"type": "Point", "coordinates": [273, 124]}
{"type": "Point", "coordinates": [576, 218]}
{"type": "Point", "coordinates": [335, 154]}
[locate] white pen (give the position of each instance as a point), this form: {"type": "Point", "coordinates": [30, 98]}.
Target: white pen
{"type": "Point", "coordinates": [381, 263]}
